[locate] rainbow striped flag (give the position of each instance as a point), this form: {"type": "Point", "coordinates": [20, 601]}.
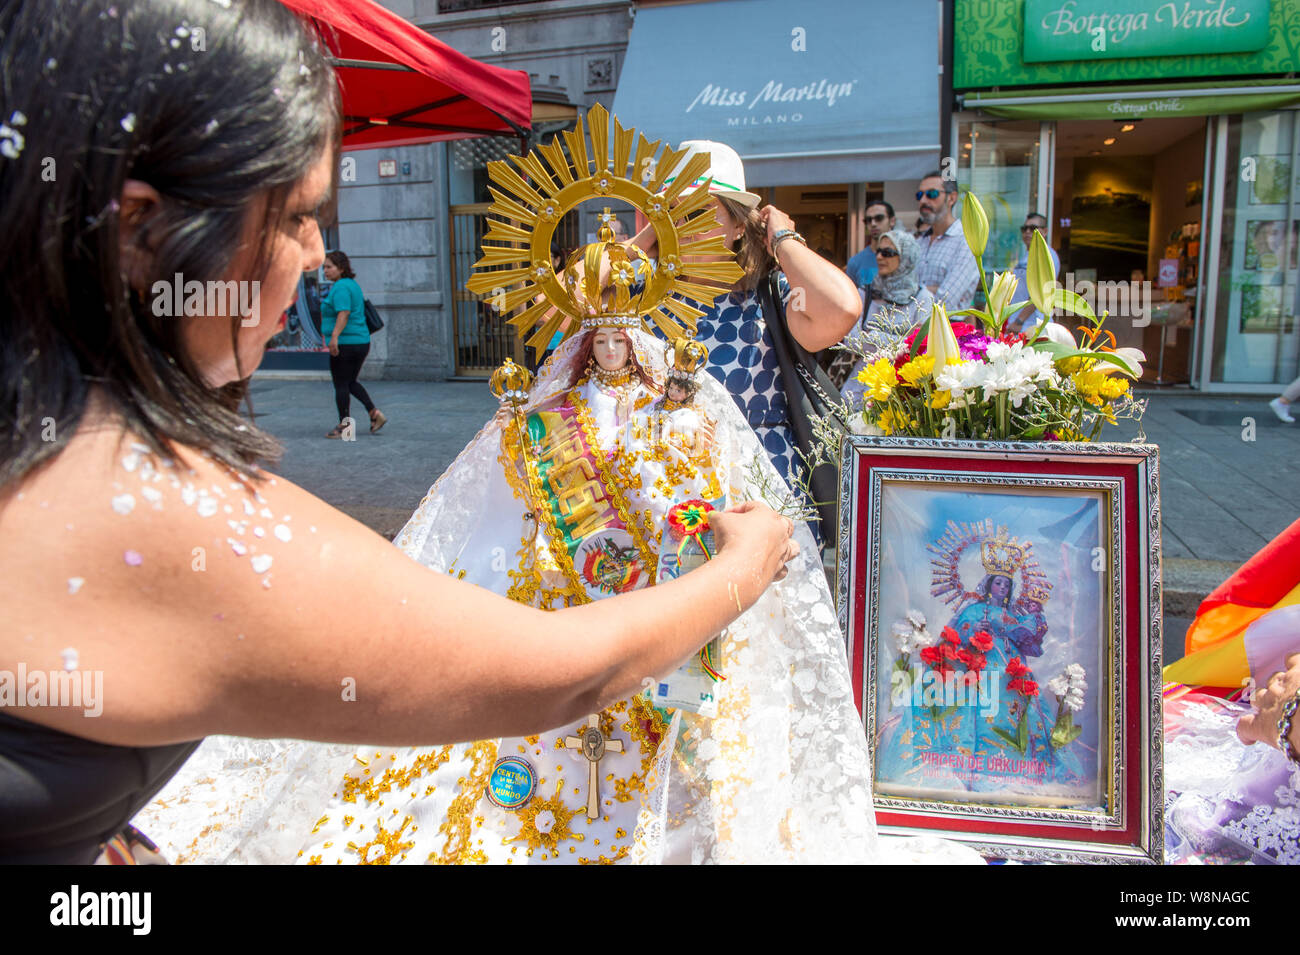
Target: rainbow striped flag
{"type": "Point", "coordinates": [1249, 624]}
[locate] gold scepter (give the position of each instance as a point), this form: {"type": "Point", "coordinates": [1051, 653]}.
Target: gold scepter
{"type": "Point", "coordinates": [509, 384]}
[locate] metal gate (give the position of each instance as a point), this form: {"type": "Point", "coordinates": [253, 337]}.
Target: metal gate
{"type": "Point", "coordinates": [482, 336]}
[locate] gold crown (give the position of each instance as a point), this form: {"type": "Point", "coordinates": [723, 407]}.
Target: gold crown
{"type": "Point", "coordinates": [509, 383]}
{"type": "Point", "coordinates": [1038, 590]}
{"type": "Point", "coordinates": [515, 267]}
{"type": "Point", "coordinates": [1002, 555]}
{"type": "Point", "coordinates": [613, 305]}
{"type": "Point", "coordinates": [685, 357]}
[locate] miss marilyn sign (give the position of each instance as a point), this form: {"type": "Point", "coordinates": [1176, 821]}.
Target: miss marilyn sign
{"type": "Point", "coordinates": [1090, 29]}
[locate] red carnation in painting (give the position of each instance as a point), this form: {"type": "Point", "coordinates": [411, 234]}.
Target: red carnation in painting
{"type": "Point", "coordinates": [1029, 687]}
{"type": "Point", "coordinates": [1016, 668]}
{"type": "Point", "coordinates": [1015, 685]}
{"type": "Point", "coordinates": [949, 634]}
{"type": "Point", "coordinates": [977, 663]}
{"type": "Point", "coordinates": [948, 651]}
{"type": "Point", "coordinates": [965, 656]}
{"type": "Point", "coordinates": [982, 641]}
{"type": "Point", "coordinates": [930, 655]}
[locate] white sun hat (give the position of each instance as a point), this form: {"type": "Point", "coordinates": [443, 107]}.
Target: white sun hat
{"type": "Point", "coordinates": [725, 169]}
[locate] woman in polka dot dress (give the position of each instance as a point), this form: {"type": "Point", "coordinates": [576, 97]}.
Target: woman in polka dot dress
{"type": "Point", "coordinates": [821, 303]}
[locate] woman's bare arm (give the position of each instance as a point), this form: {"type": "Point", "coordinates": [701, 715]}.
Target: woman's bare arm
{"type": "Point", "coordinates": [320, 628]}
{"type": "Point", "coordinates": [824, 303]}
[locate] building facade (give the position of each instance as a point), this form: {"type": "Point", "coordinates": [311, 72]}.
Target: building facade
{"type": "Point", "coordinates": [1161, 141]}
{"type": "Point", "coordinates": [822, 127]}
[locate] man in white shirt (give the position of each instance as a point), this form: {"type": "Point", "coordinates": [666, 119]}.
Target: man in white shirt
{"type": "Point", "coordinates": [947, 267]}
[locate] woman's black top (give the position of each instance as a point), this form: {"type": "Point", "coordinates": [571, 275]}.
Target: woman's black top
{"type": "Point", "coordinates": [62, 797]}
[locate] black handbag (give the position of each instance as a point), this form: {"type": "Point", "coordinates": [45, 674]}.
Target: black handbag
{"type": "Point", "coordinates": [373, 321]}
{"type": "Point", "coordinates": [808, 391]}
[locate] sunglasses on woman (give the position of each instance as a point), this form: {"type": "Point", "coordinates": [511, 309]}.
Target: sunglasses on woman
{"type": "Point", "coordinates": [928, 194]}
{"type": "Point", "coordinates": [886, 253]}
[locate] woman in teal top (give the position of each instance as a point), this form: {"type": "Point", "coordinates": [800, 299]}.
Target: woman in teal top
{"type": "Point", "coordinates": [343, 322]}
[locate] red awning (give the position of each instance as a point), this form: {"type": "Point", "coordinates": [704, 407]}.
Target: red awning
{"type": "Point", "coordinates": [402, 86]}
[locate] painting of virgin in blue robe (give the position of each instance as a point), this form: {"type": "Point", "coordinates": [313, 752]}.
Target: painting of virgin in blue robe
{"type": "Point", "coordinates": [986, 734]}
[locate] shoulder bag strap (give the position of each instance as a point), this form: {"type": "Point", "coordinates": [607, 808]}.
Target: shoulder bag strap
{"type": "Point", "coordinates": [805, 395]}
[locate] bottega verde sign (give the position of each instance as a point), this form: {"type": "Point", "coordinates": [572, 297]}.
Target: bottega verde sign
{"type": "Point", "coordinates": [1057, 30]}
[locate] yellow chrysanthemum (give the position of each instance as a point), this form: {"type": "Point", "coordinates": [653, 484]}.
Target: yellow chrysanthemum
{"type": "Point", "coordinates": [1088, 384]}
{"type": "Point", "coordinates": [890, 421]}
{"type": "Point", "coordinates": [1113, 387]}
{"type": "Point", "coordinates": [940, 399]}
{"type": "Point", "coordinates": [916, 369]}
{"type": "Point", "coordinates": [880, 379]}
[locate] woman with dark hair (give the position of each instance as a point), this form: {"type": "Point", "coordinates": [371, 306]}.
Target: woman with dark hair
{"type": "Point", "coordinates": [343, 321]}
{"type": "Point", "coordinates": [145, 550]}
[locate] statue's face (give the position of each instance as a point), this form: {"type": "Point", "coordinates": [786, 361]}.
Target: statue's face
{"type": "Point", "coordinates": [1033, 606]}
{"type": "Point", "coordinates": [1000, 587]}
{"type": "Point", "coordinates": [611, 349]}
{"type": "Point", "coordinates": [676, 391]}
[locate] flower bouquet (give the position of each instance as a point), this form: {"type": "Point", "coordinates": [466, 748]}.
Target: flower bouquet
{"type": "Point", "coordinates": [967, 376]}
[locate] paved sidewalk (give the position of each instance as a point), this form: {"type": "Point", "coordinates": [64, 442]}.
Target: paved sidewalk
{"type": "Point", "coordinates": [1227, 467]}
{"type": "Point", "coordinates": [379, 479]}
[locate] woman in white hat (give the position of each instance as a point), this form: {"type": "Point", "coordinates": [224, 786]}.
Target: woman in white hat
{"type": "Point", "coordinates": [821, 303]}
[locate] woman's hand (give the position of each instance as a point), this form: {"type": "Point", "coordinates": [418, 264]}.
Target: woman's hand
{"type": "Point", "coordinates": [1261, 726]}
{"type": "Point", "coordinates": [774, 220]}
{"type": "Point", "coordinates": [334, 347]}
{"type": "Point", "coordinates": [829, 304]}
{"type": "Point", "coordinates": [755, 529]}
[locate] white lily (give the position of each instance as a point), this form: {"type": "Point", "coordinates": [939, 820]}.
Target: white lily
{"type": "Point", "coordinates": [940, 340]}
{"type": "Point", "coordinates": [1135, 356]}
{"type": "Point", "coordinates": [1058, 333]}
{"type": "Point", "coordinates": [1001, 294]}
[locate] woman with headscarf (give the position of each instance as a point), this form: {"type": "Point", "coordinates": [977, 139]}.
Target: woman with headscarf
{"type": "Point", "coordinates": [895, 295]}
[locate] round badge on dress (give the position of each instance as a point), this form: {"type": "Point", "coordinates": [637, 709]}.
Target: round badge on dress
{"type": "Point", "coordinates": [608, 563]}
{"type": "Point", "coordinates": [512, 783]}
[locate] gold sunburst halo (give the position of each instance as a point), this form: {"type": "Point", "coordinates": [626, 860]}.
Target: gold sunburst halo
{"type": "Point", "coordinates": [531, 196]}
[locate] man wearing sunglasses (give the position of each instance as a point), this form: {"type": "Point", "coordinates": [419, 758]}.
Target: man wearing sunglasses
{"type": "Point", "coordinates": [862, 268]}
{"type": "Point", "coordinates": [1029, 317]}
{"type": "Point", "coordinates": [947, 267]}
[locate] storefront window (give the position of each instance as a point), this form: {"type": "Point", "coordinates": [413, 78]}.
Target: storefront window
{"type": "Point", "coordinates": [1256, 340]}
{"type": "Point", "coordinates": [999, 163]}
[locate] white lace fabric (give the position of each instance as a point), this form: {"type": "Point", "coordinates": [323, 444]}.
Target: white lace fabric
{"type": "Point", "coordinates": [1226, 802]}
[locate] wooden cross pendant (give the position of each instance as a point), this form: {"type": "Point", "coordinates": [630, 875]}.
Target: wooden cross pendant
{"type": "Point", "coordinates": [592, 744]}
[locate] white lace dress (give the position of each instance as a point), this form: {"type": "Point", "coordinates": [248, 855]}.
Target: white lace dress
{"type": "Point", "coordinates": [1226, 803]}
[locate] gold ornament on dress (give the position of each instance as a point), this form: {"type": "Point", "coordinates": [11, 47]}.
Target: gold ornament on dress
{"type": "Point", "coordinates": [515, 268]}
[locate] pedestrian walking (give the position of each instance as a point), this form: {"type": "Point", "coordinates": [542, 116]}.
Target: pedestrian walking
{"type": "Point", "coordinates": [1281, 405]}
{"type": "Point", "coordinates": [343, 320]}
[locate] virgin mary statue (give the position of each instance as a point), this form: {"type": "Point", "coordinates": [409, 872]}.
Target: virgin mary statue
{"type": "Point", "coordinates": [589, 486]}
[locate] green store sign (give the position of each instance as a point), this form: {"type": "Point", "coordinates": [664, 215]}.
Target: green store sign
{"type": "Point", "coordinates": [1008, 43]}
{"type": "Point", "coordinates": [1113, 29]}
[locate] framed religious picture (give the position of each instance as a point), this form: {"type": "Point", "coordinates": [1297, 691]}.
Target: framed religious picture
{"type": "Point", "coordinates": [1001, 603]}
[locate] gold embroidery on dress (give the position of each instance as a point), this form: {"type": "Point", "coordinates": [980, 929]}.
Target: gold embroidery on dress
{"type": "Point", "coordinates": [394, 848]}
{"type": "Point", "coordinates": [372, 788]}
{"type": "Point", "coordinates": [557, 825]}
{"type": "Point", "coordinates": [456, 827]}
